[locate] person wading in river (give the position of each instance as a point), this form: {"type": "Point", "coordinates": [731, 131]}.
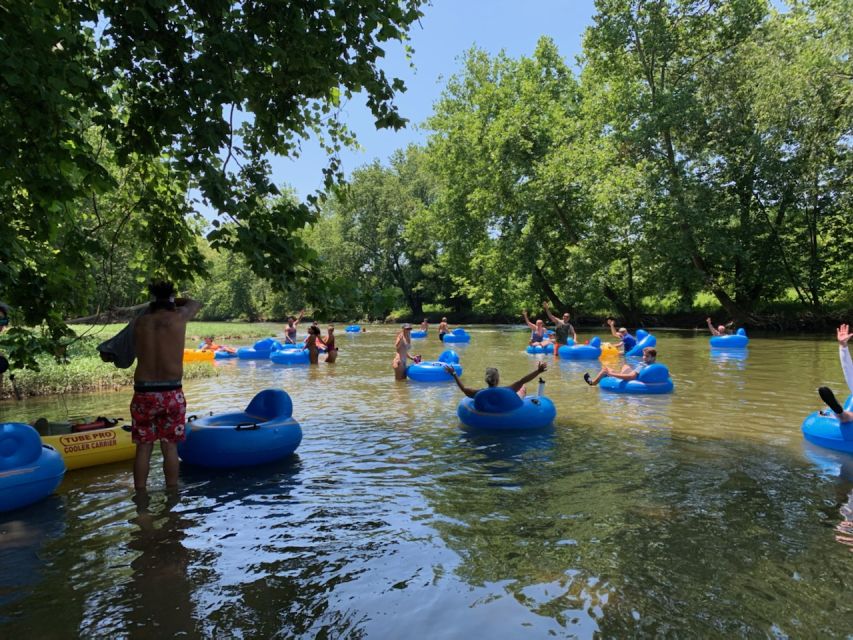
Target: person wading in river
{"type": "Point", "coordinates": [402, 345]}
{"type": "Point", "coordinates": [158, 407]}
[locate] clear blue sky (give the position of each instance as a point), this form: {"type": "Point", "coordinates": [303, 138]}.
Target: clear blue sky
{"type": "Point", "coordinates": [447, 30]}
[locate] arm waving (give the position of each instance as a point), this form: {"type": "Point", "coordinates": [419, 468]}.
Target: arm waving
{"type": "Point", "coordinates": [541, 367]}
{"type": "Point", "coordinates": [711, 328]}
{"type": "Point", "coordinates": [844, 336]}
{"type": "Point", "coordinates": [611, 323]}
{"type": "Point", "coordinates": [550, 315]}
{"type": "Point", "coordinates": [527, 320]}
{"type": "Point", "coordinates": [468, 391]}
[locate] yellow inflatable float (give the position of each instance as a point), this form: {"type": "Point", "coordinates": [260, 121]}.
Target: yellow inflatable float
{"type": "Point", "coordinates": [91, 447]}
{"type": "Point", "coordinates": [608, 351]}
{"type": "Point", "coordinates": [197, 355]}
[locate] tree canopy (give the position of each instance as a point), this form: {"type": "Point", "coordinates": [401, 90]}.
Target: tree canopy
{"type": "Point", "coordinates": [700, 150]}
{"type": "Point", "coordinates": [184, 95]}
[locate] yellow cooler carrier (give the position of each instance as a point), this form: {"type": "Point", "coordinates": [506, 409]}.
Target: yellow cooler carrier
{"type": "Point", "coordinates": [90, 448]}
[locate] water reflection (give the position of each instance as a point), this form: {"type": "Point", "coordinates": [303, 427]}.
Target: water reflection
{"type": "Point", "coordinates": [23, 536]}
{"type": "Point", "coordinates": [694, 514]}
{"type": "Point", "coordinates": [158, 594]}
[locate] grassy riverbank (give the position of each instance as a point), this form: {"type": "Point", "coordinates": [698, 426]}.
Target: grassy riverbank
{"type": "Point", "coordinates": [243, 332]}
{"type": "Point", "coordinates": [84, 373]}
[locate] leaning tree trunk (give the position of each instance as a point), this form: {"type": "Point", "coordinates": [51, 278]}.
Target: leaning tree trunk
{"type": "Point", "coordinates": [118, 314]}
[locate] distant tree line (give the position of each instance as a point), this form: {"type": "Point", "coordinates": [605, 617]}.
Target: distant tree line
{"type": "Point", "coordinates": [703, 152]}
{"type": "Point", "coordinates": [700, 154]}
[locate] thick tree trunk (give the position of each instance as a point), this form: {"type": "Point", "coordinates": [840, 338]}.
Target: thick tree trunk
{"type": "Point", "coordinates": [549, 291]}
{"type": "Point", "coordinates": [624, 310]}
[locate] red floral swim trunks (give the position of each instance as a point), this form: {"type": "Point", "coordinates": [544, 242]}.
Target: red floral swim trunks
{"type": "Point", "coordinates": [158, 415]}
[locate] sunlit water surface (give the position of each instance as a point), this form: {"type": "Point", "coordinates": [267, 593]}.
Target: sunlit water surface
{"type": "Point", "coordinates": [700, 514]}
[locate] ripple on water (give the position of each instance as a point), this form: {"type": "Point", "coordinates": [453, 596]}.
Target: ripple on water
{"type": "Point", "coordinates": [697, 514]}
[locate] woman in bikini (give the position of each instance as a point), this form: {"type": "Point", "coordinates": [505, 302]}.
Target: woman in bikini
{"type": "Point", "coordinates": [290, 329]}
{"type": "Point", "coordinates": [402, 345]}
{"type": "Point", "coordinates": [331, 349]}
{"type": "Point", "coordinates": [537, 331]}
{"type": "Point", "coordinates": [312, 343]}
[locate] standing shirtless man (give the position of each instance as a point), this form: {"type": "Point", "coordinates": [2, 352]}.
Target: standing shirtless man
{"type": "Point", "coordinates": [158, 407]}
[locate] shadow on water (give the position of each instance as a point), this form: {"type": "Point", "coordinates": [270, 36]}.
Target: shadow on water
{"type": "Point", "coordinates": [160, 573]}
{"type": "Point", "coordinates": [24, 533]}
{"type": "Point", "coordinates": [508, 446]}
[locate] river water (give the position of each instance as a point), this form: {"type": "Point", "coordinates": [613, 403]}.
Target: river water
{"type": "Point", "coordinates": [700, 514]}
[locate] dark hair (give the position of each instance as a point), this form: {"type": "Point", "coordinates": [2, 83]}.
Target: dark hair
{"type": "Point", "coordinates": [651, 351]}
{"type": "Point", "coordinates": [314, 329]}
{"type": "Point", "coordinates": [162, 289]}
{"type": "Point", "coordinates": [164, 295]}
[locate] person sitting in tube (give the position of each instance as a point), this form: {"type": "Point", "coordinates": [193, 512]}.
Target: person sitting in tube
{"type": "Point", "coordinates": [843, 336]}
{"type": "Point", "coordinates": [493, 379]}
{"type": "Point", "coordinates": [650, 354]}
{"type": "Point", "coordinates": [626, 340]}
{"type": "Point", "coordinates": [210, 345]}
{"type": "Point", "coordinates": [425, 326]}
{"type": "Point", "coordinates": [537, 331]}
{"type": "Point", "coordinates": [721, 329]}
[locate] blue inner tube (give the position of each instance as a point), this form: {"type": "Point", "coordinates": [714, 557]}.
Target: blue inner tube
{"type": "Point", "coordinates": [652, 380]}
{"type": "Point", "coordinates": [223, 355]}
{"type": "Point", "coordinates": [500, 409]}
{"type": "Point", "coordinates": [644, 340]}
{"type": "Point", "coordinates": [20, 445]}
{"type": "Point", "coordinates": [27, 473]}
{"type": "Point", "coordinates": [591, 351]}
{"type": "Point", "coordinates": [737, 341]}
{"type": "Point", "coordinates": [432, 371]}
{"type": "Point", "coordinates": [250, 353]}
{"type": "Point", "coordinates": [457, 335]}
{"type": "Point", "coordinates": [537, 348]}
{"type": "Point", "coordinates": [353, 328]}
{"type": "Point", "coordinates": [290, 356]}
{"type": "Point", "coordinates": [260, 350]}
{"type": "Point", "coordinates": [263, 433]}
{"type": "Point", "coordinates": [827, 431]}
{"type": "Point", "coordinates": [418, 334]}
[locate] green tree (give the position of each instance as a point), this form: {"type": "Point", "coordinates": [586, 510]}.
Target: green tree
{"type": "Point", "coordinates": [649, 67]}
{"type": "Point", "coordinates": [208, 90]}
{"type": "Point", "coordinates": [380, 214]}
{"type": "Point", "coordinates": [509, 205]}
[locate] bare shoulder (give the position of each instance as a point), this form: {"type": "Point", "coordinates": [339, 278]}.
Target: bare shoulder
{"type": "Point", "coordinates": [188, 309]}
